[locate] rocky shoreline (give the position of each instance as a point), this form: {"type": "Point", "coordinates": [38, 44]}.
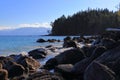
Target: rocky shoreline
{"type": "Point", "coordinates": [98, 59]}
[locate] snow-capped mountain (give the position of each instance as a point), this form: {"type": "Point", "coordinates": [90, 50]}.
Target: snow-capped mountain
{"type": "Point", "coordinates": [26, 31]}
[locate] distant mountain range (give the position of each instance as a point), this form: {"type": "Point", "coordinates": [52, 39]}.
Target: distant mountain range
{"type": "Point", "coordinates": [26, 31]}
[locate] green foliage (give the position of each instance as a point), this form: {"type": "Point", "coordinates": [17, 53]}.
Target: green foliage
{"type": "Point", "coordinates": [86, 22]}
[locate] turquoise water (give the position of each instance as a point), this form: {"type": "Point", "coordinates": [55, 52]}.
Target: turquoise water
{"type": "Point", "coordinates": [19, 44]}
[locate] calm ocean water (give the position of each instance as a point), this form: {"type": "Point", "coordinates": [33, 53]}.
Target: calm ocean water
{"type": "Point", "coordinates": [19, 44]}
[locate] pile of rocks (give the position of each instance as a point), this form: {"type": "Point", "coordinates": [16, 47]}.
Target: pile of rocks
{"type": "Point", "coordinates": [17, 66]}
{"type": "Point", "coordinates": [98, 61]}
{"type": "Point", "coordinates": [49, 40]}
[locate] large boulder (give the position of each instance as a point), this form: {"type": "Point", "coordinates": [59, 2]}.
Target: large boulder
{"type": "Point", "coordinates": [15, 69]}
{"type": "Point", "coordinates": [65, 70]}
{"type": "Point", "coordinates": [81, 66]}
{"type": "Point", "coordinates": [71, 56]}
{"type": "Point", "coordinates": [5, 60]}
{"type": "Point", "coordinates": [88, 50]}
{"type": "Point", "coordinates": [109, 56]}
{"type": "Point", "coordinates": [67, 38]}
{"type": "Point", "coordinates": [108, 43]}
{"type": "Point", "coordinates": [97, 71]}
{"type": "Point", "coordinates": [70, 43]}
{"type": "Point", "coordinates": [98, 51]}
{"type": "Point", "coordinates": [50, 64]}
{"type": "Point", "coordinates": [29, 64]}
{"type": "Point", "coordinates": [38, 53]}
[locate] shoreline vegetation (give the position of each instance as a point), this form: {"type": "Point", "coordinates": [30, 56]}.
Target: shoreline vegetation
{"type": "Point", "coordinates": [97, 59]}
{"type": "Point", "coordinates": [88, 22]}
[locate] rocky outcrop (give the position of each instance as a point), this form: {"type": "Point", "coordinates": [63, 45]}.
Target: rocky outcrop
{"type": "Point", "coordinates": [70, 56]}
{"type": "Point", "coordinates": [108, 43]}
{"type": "Point", "coordinates": [97, 71]}
{"type": "Point", "coordinates": [30, 64]}
{"type": "Point", "coordinates": [109, 56]}
{"type": "Point", "coordinates": [14, 69]}
{"type": "Point", "coordinates": [67, 57]}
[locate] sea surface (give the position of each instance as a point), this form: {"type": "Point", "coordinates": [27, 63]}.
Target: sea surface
{"type": "Point", "coordinates": [23, 44]}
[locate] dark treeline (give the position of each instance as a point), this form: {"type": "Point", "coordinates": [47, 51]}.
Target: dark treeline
{"type": "Point", "coordinates": [86, 22]}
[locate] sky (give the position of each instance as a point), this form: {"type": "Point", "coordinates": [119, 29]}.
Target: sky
{"type": "Point", "coordinates": [40, 13]}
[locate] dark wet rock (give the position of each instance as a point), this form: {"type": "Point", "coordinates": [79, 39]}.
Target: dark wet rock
{"type": "Point", "coordinates": [65, 70]}
{"type": "Point", "coordinates": [68, 38]}
{"type": "Point", "coordinates": [97, 71]}
{"type": "Point", "coordinates": [97, 41]}
{"type": "Point", "coordinates": [51, 40]}
{"type": "Point", "coordinates": [70, 43]}
{"type": "Point", "coordinates": [81, 66]}
{"type": "Point", "coordinates": [71, 56]}
{"type": "Point", "coordinates": [15, 69]}
{"type": "Point", "coordinates": [115, 35]}
{"type": "Point", "coordinates": [38, 53]}
{"type": "Point", "coordinates": [5, 60]}
{"type": "Point", "coordinates": [18, 57]}
{"type": "Point", "coordinates": [87, 40]}
{"type": "Point", "coordinates": [53, 49]}
{"type": "Point", "coordinates": [98, 51]}
{"type": "Point", "coordinates": [45, 75]}
{"type": "Point", "coordinates": [41, 40]}
{"type": "Point", "coordinates": [49, 46]}
{"type": "Point", "coordinates": [58, 40]}
{"type": "Point", "coordinates": [109, 56]}
{"type": "Point", "coordinates": [88, 50]}
{"type": "Point", "coordinates": [115, 66]}
{"type": "Point", "coordinates": [78, 39]}
{"type": "Point", "coordinates": [51, 63]}
{"type": "Point", "coordinates": [108, 43]}
{"type": "Point", "coordinates": [67, 57]}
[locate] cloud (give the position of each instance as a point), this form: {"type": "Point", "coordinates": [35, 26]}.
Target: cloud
{"type": "Point", "coordinates": [6, 27]}
{"type": "Point", "coordinates": [45, 25]}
